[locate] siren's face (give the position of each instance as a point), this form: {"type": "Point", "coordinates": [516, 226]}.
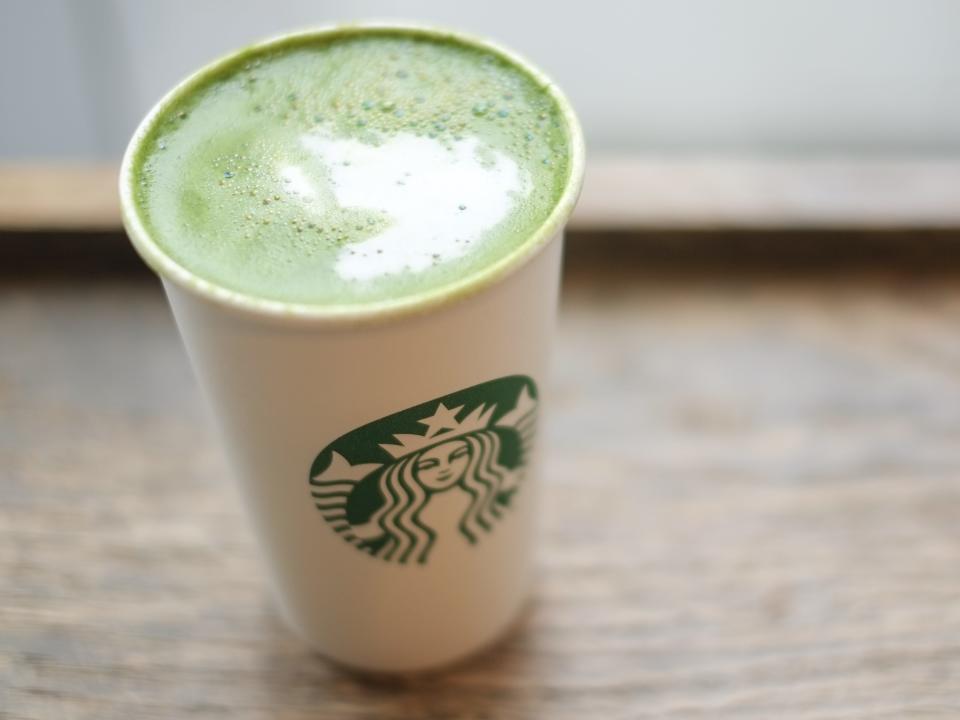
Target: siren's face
{"type": "Point", "coordinates": [442, 466]}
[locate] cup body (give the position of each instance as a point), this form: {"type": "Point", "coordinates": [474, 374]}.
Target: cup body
{"type": "Point", "coordinates": [283, 392]}
{"type": "Point", "coordinates": [387, 453]}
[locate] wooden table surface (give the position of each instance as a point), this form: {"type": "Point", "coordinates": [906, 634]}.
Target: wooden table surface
{"type": "Point", "coordinates": [751, 510]}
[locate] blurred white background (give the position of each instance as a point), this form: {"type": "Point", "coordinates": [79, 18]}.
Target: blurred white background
{"type": "Point", "coordinates": [734, 77]}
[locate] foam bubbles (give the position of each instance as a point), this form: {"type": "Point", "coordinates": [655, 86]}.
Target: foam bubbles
{"type": "Point", "coordinates": [353, 171]}
{"type": "Point", "coordinates": [416, 183]}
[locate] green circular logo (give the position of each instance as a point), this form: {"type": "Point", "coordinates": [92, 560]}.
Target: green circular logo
{"type": "Point", "coordinates": [379, 485]}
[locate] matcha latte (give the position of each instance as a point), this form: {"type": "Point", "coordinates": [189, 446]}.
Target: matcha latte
{"type": "Point", "coordinates": [353, 168]}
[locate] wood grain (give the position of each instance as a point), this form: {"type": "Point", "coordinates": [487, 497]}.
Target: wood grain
{"type": "Point", "coordinates": [752, 510]}
{"type": "Point", "coordinates": [618, 194]}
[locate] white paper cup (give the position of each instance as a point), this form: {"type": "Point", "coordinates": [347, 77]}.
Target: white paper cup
{"type": "Point", "coordinates": [387, 454]}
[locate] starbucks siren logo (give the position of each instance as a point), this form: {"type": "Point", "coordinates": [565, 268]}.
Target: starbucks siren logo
{"type": "Point", "coordinates": [375, 484]}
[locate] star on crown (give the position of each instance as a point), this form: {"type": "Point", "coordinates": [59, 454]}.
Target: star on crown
{"type": "Point", "coordinates": [441, 426]}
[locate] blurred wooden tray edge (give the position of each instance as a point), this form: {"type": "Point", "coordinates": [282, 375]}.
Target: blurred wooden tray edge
{"type": "Point", "coordinates": [620, 194]}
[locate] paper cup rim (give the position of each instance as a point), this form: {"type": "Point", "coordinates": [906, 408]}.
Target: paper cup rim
{"type": "Point", "coordinates": [470, 283]}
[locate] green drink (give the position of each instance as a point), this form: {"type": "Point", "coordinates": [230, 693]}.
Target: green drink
{"type": "Point", "coordinates": [352, 169]}
{"type": "Point", "coordinates": [359, 231]}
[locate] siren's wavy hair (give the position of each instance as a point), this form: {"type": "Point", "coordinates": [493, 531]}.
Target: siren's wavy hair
{"type": "Point", "coordinates": [493, 453]}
